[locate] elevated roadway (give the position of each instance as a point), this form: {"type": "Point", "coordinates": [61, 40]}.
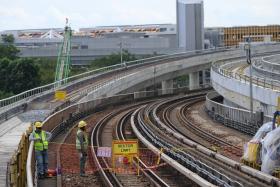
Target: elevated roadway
{"type": "Point", "coordinates": [231, 80]}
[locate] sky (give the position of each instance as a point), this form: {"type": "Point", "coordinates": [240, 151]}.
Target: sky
{"type": "Point", "coordinates": [32, 14]}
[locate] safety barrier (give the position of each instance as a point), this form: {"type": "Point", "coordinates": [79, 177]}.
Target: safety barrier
{"type": "Point", "coordinates": [236, 118]}
{"type": "Point", "coordinates": [267, 69]}
{"type": "Point", "coordinates": [272, 66]}
{"type": "Point", "coordinates": [219, 67]}
{"type": "Point", "coordinates": [16, 168]}
{"type": "Point", "coordinates": [29, 95]}
{"type": "Point", "coordinates": [63, 119]}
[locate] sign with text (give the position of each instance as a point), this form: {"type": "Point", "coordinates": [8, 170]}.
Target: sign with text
{"type": "Point", "coordinates": [123, 153]}
{"type": "Point", "coordinates": [127, 147]}
{"type": "Point", "coordinates": [60, 95]}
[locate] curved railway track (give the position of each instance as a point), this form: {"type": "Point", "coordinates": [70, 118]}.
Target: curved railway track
{"type": "Point", "coordinates": [185, 154]}
{"type": "Point", "coordinates": [186, 127]}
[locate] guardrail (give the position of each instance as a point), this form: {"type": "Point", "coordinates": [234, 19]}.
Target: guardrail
{"type": "Point", "coordinates": [62, 119]}
{"type": "Point", "coordinates": [236, 118]}
{"type": "Point", "coordinates": [19, 99]}
{"type": "Point", "coordinates": [264, 68]}
{"type": "Point", "coordinates": [218, 67]}
{"type": "Point", "coordinates": [16, 168]}
{"type": "Point", "coordinates": [259, 70]}
{"type": "Point", "coordinates": [271, 66]}
{"type": "Point", "coordinates": [23, 98]}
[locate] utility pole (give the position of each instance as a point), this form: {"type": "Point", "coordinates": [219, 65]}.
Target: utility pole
{"type": "Point", "coordinates": [247, 48]}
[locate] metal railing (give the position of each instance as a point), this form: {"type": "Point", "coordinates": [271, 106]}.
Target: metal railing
{"type": "Point", "coordinates": [236, 118]}
{"type": "Point", "coordinates": [220, 68]}
{"type": "Point", "coordinates": [264, 68]}
{"type": "Point", "coordinates": [27, 96]}
{"type": "Point", "coordinates": [271, 66]}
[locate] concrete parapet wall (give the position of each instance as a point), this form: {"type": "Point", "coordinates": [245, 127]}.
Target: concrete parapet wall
{"type": "Point", "coordinates": [238, 92]}
{"type": "Point", "coordinates": [161, 72]}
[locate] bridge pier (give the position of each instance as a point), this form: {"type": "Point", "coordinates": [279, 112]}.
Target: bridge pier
{"type": "Point", "coordinates": [193, 80]}
{"type": "Point", "coordinates": [167, 86]}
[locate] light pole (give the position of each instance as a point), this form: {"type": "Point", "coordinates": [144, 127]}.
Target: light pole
{"type": "Point", "coordinates": [121, 44]}
{"type": "Point", "coordinates": [121, 48]}
{"type": "Point", "coordinates": [247, 48]}
{"type": "Point", "coordinates": [155, 79]}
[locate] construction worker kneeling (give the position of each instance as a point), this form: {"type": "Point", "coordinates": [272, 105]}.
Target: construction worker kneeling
{"type": "Point", "coordinates": [41, 140]}
{"type": "Point", "coordinates": [82, 145]}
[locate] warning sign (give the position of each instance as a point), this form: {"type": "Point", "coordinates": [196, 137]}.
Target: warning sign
{"type": "Point", "coordinates": [125, 147]}
{"type": "Point", "coordinates": [123, 153]}
{"type": "Point", "coordinates": [60, 95]}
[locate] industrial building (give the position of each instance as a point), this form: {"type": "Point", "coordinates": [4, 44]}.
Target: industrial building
{"type": "Point", "coordinates": [140, 40]}
{"type": "Point", "coordinates": [235, 35]}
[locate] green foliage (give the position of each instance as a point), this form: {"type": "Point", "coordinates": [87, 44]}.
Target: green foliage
{"type": "Point", "coordinates": [183, 80]}
{"type": "Point", "coordinates": [4, 95]}
{"type": "Point", "coordinates": [112, 60]}
{"type": "Point", "coordinates": [7, 48]}
{"type": "Point", "coordinates": [16, 74]}
{"type": "Point", "coordinates": [21, 74]}
{"type": "Point", "coordinates": [46, 70]}
{"type": "Point", "coordinates": [8, 39]}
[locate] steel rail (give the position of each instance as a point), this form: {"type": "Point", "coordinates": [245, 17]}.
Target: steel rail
{"type": "Point", "coordinates": [109, 178]}
{"type": "Point", "coordinates": [219, 158]}
{"type": "Point", "coordinates": [151, 175]}
{"type": "Point", "coordinates": [139, 131]}
{"type": "Point", "coordinates": [198, 166]}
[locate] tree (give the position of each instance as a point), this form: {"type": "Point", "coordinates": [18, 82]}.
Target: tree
{"type": "Point", "coordinates": [112, 60]}
{"type": "Point", "coordinates": [4, 74]}
{"type": "Point", "coordinates": [8, 39]}
{"type": "Point", "coordinates": [7, 48]}
{"type": "Point", "coordinates": [24, 75]}
{"type": "Point", "coordinates": [46, 70]}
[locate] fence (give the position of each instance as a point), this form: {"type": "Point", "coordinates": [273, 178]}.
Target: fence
{"type": "Point", "coordinates": [269, 65]}
{"type": "Point", "coordinates": [29, 95]}
{"type": "Point", "coordinates": [16, 168]}
{"type": "Point", "coordinates": [267, 69]}
{"type": "Point", "coordinates": [262, 82]}
{"type": "Point", "coordinates": [236, 118]}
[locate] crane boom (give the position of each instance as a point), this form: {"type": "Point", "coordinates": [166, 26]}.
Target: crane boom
{"type": "Point", "coordinates": [63, 59]}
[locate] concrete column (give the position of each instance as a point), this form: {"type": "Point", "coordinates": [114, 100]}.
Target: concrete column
{"type": "Point", "coordinates": [140, 94]}
{"type": "Point", "coordinates": [167, 87]}
{"type": "Point", "coordinates": [194, 80]}
{"type": "Point", "coordinates": [205, 77]}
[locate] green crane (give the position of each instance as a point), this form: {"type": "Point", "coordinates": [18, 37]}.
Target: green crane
{"type": "Point", "coordinates": [63, 59]}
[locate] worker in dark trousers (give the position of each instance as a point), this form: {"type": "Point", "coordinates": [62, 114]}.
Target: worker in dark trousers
{"type": "Point", "coordinates": [82, 146]}
{"type": "Point", "coordinates": [41, 140]}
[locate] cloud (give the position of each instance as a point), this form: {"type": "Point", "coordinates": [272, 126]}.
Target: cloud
{"type": "Point", "coordinates": [240, 12]}
{"type": "Point", "coordinates": [22, 14]}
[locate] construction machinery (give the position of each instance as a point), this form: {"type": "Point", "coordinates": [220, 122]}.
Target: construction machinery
{"type": "Point", "coordinates": [63, 59]}
{"type": "Point", "coordinates": [262, 152]}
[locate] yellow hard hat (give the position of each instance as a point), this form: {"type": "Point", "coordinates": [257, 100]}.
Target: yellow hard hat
{"type": "Point", "coordinates": [38, 124]}
{"type": "Point", "coordinates": [82, 124]}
